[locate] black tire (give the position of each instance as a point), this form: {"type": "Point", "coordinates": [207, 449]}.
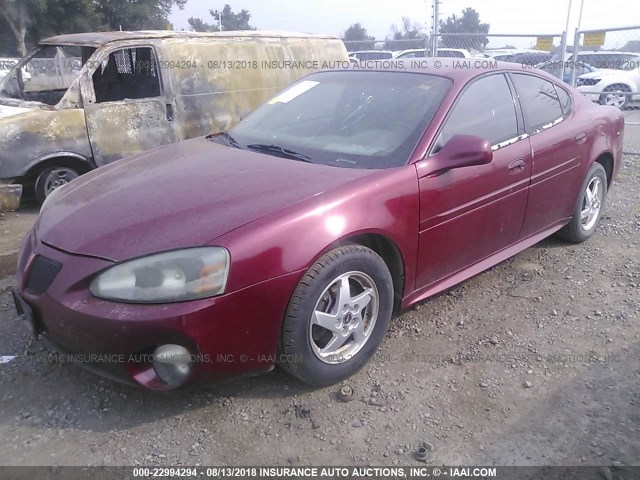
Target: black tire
{"type": "Point", "coordinates": [52, 176]}
{"type": "Point", "coordinates": [575, 231]}
{"type": "Point", "coordinates": [624, 99]}
{"type": "Point", "coordinates": [296, 354]}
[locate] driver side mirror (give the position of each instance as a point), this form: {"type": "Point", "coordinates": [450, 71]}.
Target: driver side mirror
{"type": "Point", "coordinates": [460, 151]}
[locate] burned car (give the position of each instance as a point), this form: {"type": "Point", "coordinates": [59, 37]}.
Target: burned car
{"type": "Point", "coordinates": [80, 101]}
{"type": "Point", "coordinates": [349, 195]}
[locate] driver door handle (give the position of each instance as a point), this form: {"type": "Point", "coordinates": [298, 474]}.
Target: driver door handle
{"type": "Point", "coordinates": [516, 166]}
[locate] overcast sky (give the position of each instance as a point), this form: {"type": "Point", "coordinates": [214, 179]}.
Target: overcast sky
{"type": "Point", "coordinates": [504, 16]}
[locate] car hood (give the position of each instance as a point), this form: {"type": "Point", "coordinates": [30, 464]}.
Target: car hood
{"type": "Point", "coordinates": [182, 195]}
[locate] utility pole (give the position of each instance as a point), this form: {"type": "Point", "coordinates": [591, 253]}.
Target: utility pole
{"type": "Point", "coordinates": [427, 40]}
{"type": "Point", "coordinates": [563, 43]}
{"type": "Point", "coordinates": [436, 27]}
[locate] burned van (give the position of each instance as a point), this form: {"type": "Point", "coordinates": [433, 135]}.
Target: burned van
{"type": "Point", "coordinates": [80, 101]}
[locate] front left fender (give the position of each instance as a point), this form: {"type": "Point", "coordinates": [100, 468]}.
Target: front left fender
{"type": "Point", "coordinates": [385, 203]}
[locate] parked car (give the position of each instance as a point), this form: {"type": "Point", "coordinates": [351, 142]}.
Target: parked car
{"type": "Point", "coordinates": [93, 98]}
{"type": "Point", "coordinates": [441, 52]}
{"type": "Point", "coordinates": [616, 82]}
{"type": "Point", "coordinates": [530, 59]}
{"type": "Point", "coordinates": [527, 56]}
{"type": "Point", "coordinates": [617, 88]}
{"type": "Point", "coordinates": [293, 237]}
{"type": "Point", "coordinates": [555, 66]}
{"type": "Point", "coordinates": [365, 55]}
{"type": "Point", "coordinates": [612, 60]}
{"type": "Point", "coordinates": [500, 53]}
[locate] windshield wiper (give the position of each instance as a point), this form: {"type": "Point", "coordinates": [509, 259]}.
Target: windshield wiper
{"type": "Point", "coordinates": [232, 141]}
{"type": "Point", "coordinates": [277, 149]}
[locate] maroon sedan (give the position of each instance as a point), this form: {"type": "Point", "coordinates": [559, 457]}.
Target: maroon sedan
{"type": "Point", "coordinates": [293, 237]}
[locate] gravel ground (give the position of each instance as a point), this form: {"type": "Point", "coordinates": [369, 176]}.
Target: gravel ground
{"type": "Point", "coordinates": [535, 362]}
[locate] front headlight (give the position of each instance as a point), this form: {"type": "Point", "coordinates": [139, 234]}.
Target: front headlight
{"type": "Point", "coordinates": [173, 276]}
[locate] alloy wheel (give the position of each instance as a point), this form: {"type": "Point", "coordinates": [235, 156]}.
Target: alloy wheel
{"type": "Point", "coordinates": [344, 317]}
{"type": "Point", "coordinates": [591, 204]}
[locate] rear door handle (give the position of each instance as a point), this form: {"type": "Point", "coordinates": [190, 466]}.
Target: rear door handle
{"type": "Point", "coordinates": [517, 166]}
{"type": "Point", "coordinates": [581, 137]}
{"type": "Point", "coordinates": [169, 112]}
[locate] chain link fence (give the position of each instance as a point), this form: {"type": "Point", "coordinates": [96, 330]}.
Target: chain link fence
{"type": "Point", "coordinates": [506, 46]}
{"type": "Point", "coordinates": [612, 56]}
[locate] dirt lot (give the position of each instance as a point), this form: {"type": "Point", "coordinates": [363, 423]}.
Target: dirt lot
{"type": "Point", "coordinates": [535, 362]}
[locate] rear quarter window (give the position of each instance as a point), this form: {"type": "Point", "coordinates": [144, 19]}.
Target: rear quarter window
{"type": "Point", "coordinates": [540, 101]}
{"type": "Point", "coordinates": [564, 98]}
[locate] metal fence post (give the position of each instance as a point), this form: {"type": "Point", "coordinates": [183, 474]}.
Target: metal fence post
{"type": "Point", "coordinates": [563, 48]}
{"type": "Point", "coordinates": [574, 55]}
{"type": "Point", "coordinates": [436, 28]}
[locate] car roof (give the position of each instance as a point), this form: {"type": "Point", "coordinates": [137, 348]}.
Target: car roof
{"type": "Point", "coordinates": [102, 38]}
{"type": "Point", "coordinates": [371, 51]}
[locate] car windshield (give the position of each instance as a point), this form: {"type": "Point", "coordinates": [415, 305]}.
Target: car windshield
{"type": "Point", "coordinates": [46, 74]}
{"type": "Point", "coordinates": [346, 119]}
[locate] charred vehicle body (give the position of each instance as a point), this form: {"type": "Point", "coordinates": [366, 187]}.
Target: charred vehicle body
{"type": "Point", "coordinates": [80, 101]}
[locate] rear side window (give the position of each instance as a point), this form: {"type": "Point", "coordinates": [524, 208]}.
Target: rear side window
{"type": "Point", "coordinates": [539, 100]}
{"type": "Point", "coordinates": [485, 109]}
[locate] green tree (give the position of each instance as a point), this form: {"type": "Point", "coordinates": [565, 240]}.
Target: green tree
{"type": "Point", "coordinates": [357, 38]}
{"type": "Point", "coordinates": [226, 20]}
{"type": "Point", "coordinates": [64, 16]}
{"type": "Point", "coordinates": [468, 22]}
{"type": "Point", "coordinates": [135, 14]}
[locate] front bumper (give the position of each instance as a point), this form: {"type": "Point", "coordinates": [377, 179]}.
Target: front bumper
{"type": "Point", "coordinates": [231, 335]}
{"type": "Point", "coordinates": [10, 195]}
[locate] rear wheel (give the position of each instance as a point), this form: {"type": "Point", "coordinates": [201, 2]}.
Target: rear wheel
{"type": "Point", "coordinates": [589, 207]}
{"type": "Point", "coordinates": [51, 178]}
{"type": "Point", "coordinates": [337, 316]}
{"type": "Point", "coordinates": [615, 96]}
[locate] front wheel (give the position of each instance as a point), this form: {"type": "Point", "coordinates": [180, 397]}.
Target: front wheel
{"type": "Point", "coordinates": [337, 316]}
{"type": "Point", "coordinates": [589, 208]}
{"type": "Point", "coordinates": [51, 178]}
{"type": "Point", "coordinates": [615, 96]}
